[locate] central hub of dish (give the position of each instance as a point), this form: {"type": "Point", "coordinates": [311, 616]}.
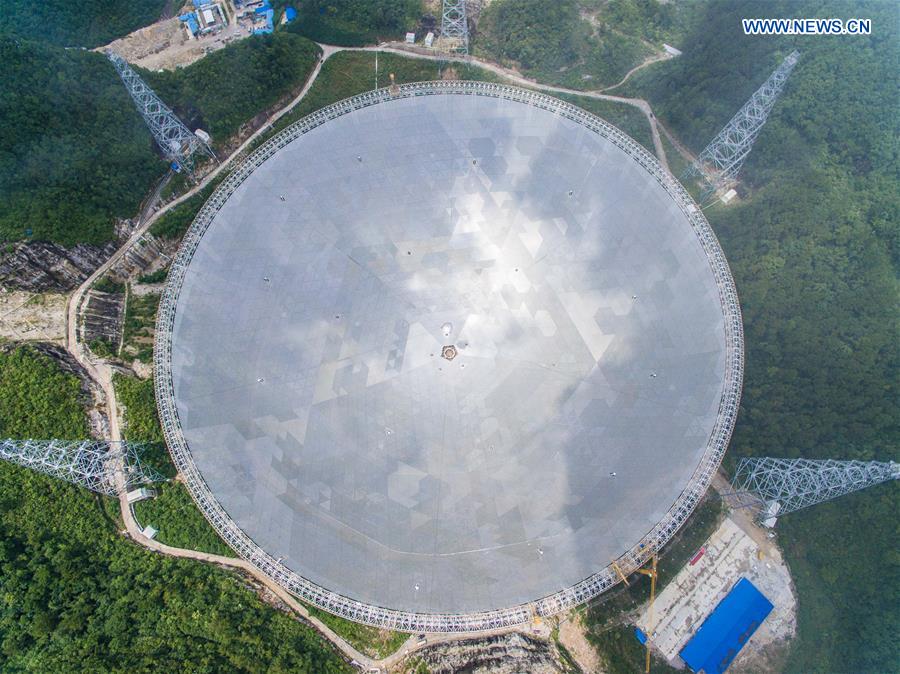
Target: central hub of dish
{"type": "Point", "coordinates": [449, 352]}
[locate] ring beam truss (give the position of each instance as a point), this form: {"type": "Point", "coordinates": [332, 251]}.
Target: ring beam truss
{"type": "Point", "coordinates": [345, 607]}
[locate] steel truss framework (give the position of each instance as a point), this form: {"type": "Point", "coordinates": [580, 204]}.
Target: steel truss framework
{"type": "Point", "coordinates": [723, 158]}
{"type": "Point", "coordinates": [799, 483]}
{"type": "Point", "coordinates": [175, 140]}
{"type": "Point", "coordinates": [99, 465]}
{"type": "Point", "coordinates": [455, 24]}
{"type": "Point", "coordinates": [351, 609]}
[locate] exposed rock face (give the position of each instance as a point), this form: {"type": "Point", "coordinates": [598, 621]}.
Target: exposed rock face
{"type": "Point", "coordinates": [147, 255]}
{"type": "Point", "coordinates": [103, 316]}
{"type": "Point", "coordinates": [505, 654]}
{"type": "Point", "coordinates": [39, 266]}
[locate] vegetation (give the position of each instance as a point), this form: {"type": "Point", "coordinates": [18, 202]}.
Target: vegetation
{"type": "Point", "coordinates": [175, 516]}
{"type": "Point", "coordinates": [353, 23]}
{"type": "Point", "coordinates": [37, 399]}
{"type": "Point", "coordinates": [137, 405]}
{"type": "Point", "coordinates": [371, 641]}
{"type": "Point", "coordinates": [77, 596]}
{"type": "Point", "coordinates": [157, 276]}
{"type": "Point", "coordinates": [174, 223]}
{"type": "Point", "coordinates": [349, 73]}
{"type": "Point", "coordinates": [814, 250]}
{"type": "Point", "coordinates": [74, 153]}
{"type": "Point", "coordinates": [140, 319]}
{"type": "Point", "coordinates": [626, 117]}
{"type": "Point", "coordinates": [106, 285]}
{"type": "Point", "coordinates": [87, 23]}
{"type": "Point", "coordinates": [228, 87]}
{"type": "Point", "coordinates": [172, 512]}
{"type": "Point", "coordinates": [553, 42]}
{"type": "Point", "coordinates": [103, 349]}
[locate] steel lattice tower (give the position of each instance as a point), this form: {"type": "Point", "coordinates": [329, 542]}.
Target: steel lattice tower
{"type": "Point", "coordinates": [175, 140]}
{"type": "Point", "coordinates": [720, 162]}
{"type": "Point", "coordinates": [798, 483]}
{"type": "Point", "coordinates": [455, 25]}
{"type": "Point", "coordinates": [94, 464]}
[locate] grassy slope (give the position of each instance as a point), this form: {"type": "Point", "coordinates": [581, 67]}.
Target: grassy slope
{"type": "Point", "coordinates": [371, 641]}
{"type": "Point", "coordinates": [349, 73]}
{"type": "Point", "coordinates": [815, 256]}
{"type": "Point", "coordinates": [87, 23]}
{"type": "Point", "coordinates": [175, 516]}
{"type": "Point", "coordinates": [172, 513]}
{"type": "Point", "coordinates": [77, 596]}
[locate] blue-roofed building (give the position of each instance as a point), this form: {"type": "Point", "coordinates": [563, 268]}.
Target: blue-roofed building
{"type": "Point", "coordinates": [724, 633]}
{"type": "Point", "coordinates": [290, 14]}
{"type": "Point", "coordinates": [270, 23]}
{"type": "Point", "coordinates": [191, 22]}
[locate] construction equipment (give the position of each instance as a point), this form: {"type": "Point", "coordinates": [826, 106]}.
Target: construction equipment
{"type": "Point", "coordinates": [653, 574]}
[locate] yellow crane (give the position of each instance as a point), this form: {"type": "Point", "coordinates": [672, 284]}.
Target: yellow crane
{"type": "Point", "coordinates": [652, 573]}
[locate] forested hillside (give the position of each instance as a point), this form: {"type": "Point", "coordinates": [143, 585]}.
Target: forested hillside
{"type": "Point", "coordinates": [74, 153]}
{"type": "Point", "coordinates": [85, 23]}
{"type": "Point", "coordinates": [79, 597]}
{"type": "Point", "coordinates": [354, 22]}
{"type": "Point", "coordinates": [225, 89]}
{"type": "Point", "coordinates": [583, 44]}
{"type": "Point", "coordinates": [813, 248]}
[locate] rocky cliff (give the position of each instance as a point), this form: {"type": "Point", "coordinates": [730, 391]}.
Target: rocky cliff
{"type": "Point", "coordinates": [39, 266]}
{"type": "Point", "coordinates": [503, 654]}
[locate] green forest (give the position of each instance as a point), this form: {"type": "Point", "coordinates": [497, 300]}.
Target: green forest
{"type": "Point", "coordinates": [352, 23]}
{"type": "Point", "coordinates": [86, 23]}
{"type": "Point", "coordinates": [37, 399]}
{"type": "Point", "coordinates": [813, 248]}
{"type": "Point", "coordinates": [74, 153]}
{"type": "Point", "coordinates": [79, 597]}
{"type": "Point", "coordinates": [228, 87]}
{"type": "Point", "coordinates": [578, 44]}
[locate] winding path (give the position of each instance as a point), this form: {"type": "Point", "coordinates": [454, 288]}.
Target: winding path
{"type": "Point", "coordinates": [516, 78]}
{"type": "Point", "coordinates": [102, 372]}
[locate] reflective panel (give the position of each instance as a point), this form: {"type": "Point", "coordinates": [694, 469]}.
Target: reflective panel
{"type": "Point", "coordinates": [449, 353]}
